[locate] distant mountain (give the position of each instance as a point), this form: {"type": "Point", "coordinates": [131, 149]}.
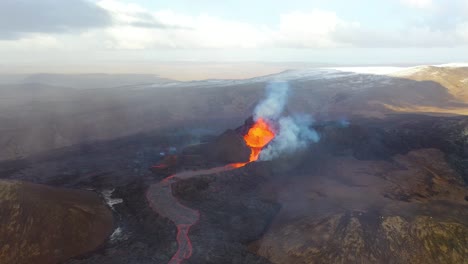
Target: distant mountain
{"type": "Point", "coordinates": [84, 81]}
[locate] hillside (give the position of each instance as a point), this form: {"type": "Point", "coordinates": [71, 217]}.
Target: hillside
{"type": "Point", "coordinates": [40, 116]}
{"type": "Point", "coordinates": [42, 224]}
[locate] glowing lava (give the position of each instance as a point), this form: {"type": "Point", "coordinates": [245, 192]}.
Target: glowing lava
{"type": "Point", "coordinates": [161, 199]}
{"type": "Point", "coordinates": [259, 135]}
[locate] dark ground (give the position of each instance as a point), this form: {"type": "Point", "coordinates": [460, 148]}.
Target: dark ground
{"type": "Point", "coordinates": [234, 213]}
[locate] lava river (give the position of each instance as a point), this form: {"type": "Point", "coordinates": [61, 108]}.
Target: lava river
{"type": "Point", "coordinates": [161, 200]}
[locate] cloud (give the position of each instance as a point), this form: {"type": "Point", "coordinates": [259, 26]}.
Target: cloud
{"type": "Point", "coordinates": [21, 17]}
{"type": "Point", "coordinates": [315, 29]}
{"type": "Point", "coordinates": [296, 29]}
{"type": "Point", "coordinates": [446, 15]}
{"type": "Point", "coordinates": [118, 25]}
{"type": "Point", "coordinates": [421, 4]}
{"type": "Point", "coordinates": [410, 37]}
{"type": "Point", "coordinates": [182, 31]}
{"type": "Point", "coordinates": [462, 31]}
{"type": "Point", "coordinates": [308, 29]}
{"type": "Point", "coordinates": [129, 14]}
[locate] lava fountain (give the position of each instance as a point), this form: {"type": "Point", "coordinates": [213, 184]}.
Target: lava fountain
{"type": "Point", "coordinates": [258, 136]}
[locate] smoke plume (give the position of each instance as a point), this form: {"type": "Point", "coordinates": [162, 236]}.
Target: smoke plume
{"type": "Point", "coordinates": [293, 133]}
{"type": "Point", "coordinates": [273, 105]}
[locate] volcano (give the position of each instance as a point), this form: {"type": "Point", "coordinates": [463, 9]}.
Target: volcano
{"type": "Point", "coordinates": [237, 147]}
{"type": "Point", "coordinates": [160, 195]}
{"type": "Point", "coordinates": [257, 135]}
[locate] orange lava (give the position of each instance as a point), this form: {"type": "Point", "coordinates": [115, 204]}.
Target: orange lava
{"type": "Point", "coordinates": [258, 136]}
{"type": "Point", "coordinates": [237, 165]}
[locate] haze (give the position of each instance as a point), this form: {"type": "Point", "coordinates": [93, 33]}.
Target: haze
{"type": "Point", "coordinates": [204, 38]}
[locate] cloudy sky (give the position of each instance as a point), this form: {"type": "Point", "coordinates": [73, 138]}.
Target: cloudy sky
{"type": "Point", "coordinates": [35, 34]}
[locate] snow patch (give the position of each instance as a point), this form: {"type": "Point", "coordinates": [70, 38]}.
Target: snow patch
{"type": "Point", "coordinates": [111, 201]}
{"type": "Point", "coordinates": [118, 235]}
{"type": "Point", "coordinates": [454, 65]}
{"type": "Point", "coordinates": [410, 71]}
{"type": "Point", "coordinates": [378, 70]}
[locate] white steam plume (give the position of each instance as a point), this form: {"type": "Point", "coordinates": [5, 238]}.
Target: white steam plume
{"type": "Point", "coordinates": [273, 105]}
{"type": "Point", "coordinates": [293, 133]}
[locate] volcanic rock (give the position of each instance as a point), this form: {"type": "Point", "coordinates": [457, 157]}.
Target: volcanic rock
{"type": "Point", "coordinates": [393, 190]}
{"type": "Point", "coordinates": [244, 129]}
{"type": "Point", "coordinates": [141, 235]}
{"type": "Point", "coordinates": [229, 147]}
{"type": "Point", "coordinates": [353, 238]}
{"type": "Point", "coordinates": [410, 209]}
{"type": "Point", "coordinates": [231, 214]}
{"type": "Point", "coordinates": [42, 224]}
{"type": "Point", "coordinates": [372, 192]}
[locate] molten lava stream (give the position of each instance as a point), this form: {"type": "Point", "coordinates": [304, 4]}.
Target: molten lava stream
{"type": "Point", "coordinates": [161, 200]}
{"type": "Point", "coordinates": [184, 250]}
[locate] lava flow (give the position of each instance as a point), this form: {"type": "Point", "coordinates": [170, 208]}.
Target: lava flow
{"type": "Point", "coordinates": [161, 200]}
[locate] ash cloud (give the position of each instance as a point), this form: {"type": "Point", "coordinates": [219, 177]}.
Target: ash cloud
{"type": "Point", "coordinates": [293, 133]}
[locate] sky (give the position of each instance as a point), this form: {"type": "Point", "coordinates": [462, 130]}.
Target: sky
{"type": "Point", "coordinates": [91, 35]}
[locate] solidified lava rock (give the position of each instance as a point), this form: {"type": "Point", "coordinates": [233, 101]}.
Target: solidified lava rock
{"type": "Point", "coordinates": [146, 237]}
{"type": "Point", "coordinates": [229, 147]}
{"type": "Point", "coordinates": [368, 139]}
{"type": "Point", "coordinates": [348, 238]}
{"type": "Point", "coordinates": [383, 188]}
{"type": "Point", "coordinates": [231, 215]}
{"type": "Point", "coordinates": [378, 191]}
{"type": "Point", "coordinates": [244, 129]}
{"type": "Point", "coordinates": [45, 225]}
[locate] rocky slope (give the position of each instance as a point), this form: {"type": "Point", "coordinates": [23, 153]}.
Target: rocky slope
{"type": "Point", "coordinates": [231, 214]}
{"type": "Point", "coordinates": [453, 79]}
{"type": "Point", "coordinates": [409, 209]}
{"type": "Point", "coordinates": [42, 224]}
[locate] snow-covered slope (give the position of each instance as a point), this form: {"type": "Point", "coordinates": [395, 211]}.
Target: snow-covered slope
{"type": "Point", "coordinates": [309, 74]}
